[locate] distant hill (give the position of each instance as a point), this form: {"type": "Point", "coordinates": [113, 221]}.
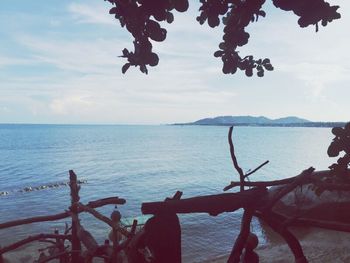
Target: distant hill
{"type": "Point", "coordinates": [290, 121]}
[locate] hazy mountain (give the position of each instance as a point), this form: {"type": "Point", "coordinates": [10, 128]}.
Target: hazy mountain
{"type": "Point", "coordinates": [249, 120]}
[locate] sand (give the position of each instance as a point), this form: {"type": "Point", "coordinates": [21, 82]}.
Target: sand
{"type": "Point", "coordinates": [320, 246]}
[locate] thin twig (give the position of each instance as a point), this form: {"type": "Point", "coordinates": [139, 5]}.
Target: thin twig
{"type": "Point", "coordinates": [31, 239]}
{"type": "Point", "coordinates": [256, 169]}
{"type": "Point", "coordinates": [260, 183]}
{"type": "Point", "coordinates": [234, 159]}
{"type": "Point", "coordinates": [317, 178]}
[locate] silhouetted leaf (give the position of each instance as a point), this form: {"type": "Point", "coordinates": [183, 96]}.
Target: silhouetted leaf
{"type": "Point", "coordinates": [125, 67]}
{"type": "Point", "coordinates": [260, 73]}
{"type": "Point", "coordinates": [125, 52]}
{"type": "Point", "coordinates": [213, 21]}
{"type": "Point", "coordinates": [249, 72]}
{"type": "Point", "coordinates": [153, 59]}
{"type": "Point", "coordinates": [268, 67]}
{"type": "Point", "coordinates": [169, 17]}
{"type": "Point", "coordinates": [181, 5]}
{"type": "Point", "coordinates": [113, 10]}
{"type": "Point", "coordinates": [262, 13]}
{"type": "Point", "coordinates": [218, 53]}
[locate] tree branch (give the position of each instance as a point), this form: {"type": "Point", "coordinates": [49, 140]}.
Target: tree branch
{"type": "Point", "coordinates": [290, 239]}
{"type": "Point", "coordinates": [234, 160]}
{"type": "Point", "coordinates": [300, 179]}
{"type": "Point", "coordinates": [104, 219]}
{"type": "Point", "coordinates": [93, 204]}
{"type": "Point", "coordinates": [256, 169]}
{"type": "Point", "coordinates": [242, 237]}
{"type": "Point", "coordinates": [31, 239]}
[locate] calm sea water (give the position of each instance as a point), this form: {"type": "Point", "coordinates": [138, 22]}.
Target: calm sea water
{"type": "Point", "coordinates": [146, 163]}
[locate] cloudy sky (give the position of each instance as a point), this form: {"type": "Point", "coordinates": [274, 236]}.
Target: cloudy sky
{"type": "Point", "coordinates": [59, 64]}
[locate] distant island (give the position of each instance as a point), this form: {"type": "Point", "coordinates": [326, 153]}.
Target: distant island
{"type": "Point", "coordinates": [290, 121]}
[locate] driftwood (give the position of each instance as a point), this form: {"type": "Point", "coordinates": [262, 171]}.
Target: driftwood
{"type": "Point", "coordinates": [31, 239]}
{"type": "Point", "coordinates": [290, 239]}
{"type": "Point", "coordinates": [211, 204]}
{"type": "Point", "coordinates": [315, 178]}
{"type": "Point", "coordinates": [74, 192]}
{"type": "Point", "coordinates": [242, 237]}
{"type": "Point", "coordinates": [58, 255]}
{"type": "Point", "coordinates": [255, 202]}
{"type": "Point", "coordinates": [104, 219]}
{"type": "Point", "coordinates": [234, 160]}
{"type": "Point", "coordinates": [78, 233]}
{"type": "Point", "coordinates": [94, 204]}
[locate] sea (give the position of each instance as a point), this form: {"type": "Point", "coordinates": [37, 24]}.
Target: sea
{"type": "Point", "coordinates": [145, 164]}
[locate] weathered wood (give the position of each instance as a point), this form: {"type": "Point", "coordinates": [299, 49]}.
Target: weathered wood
{"type": "Point", "coordinates": [308, 222]}
{"type": "Point", "coordinates": [87, 239]}
{"type": "Point", "coordinates": [163, 238]}
{"type": "Point", "coordinates": [211, 204]}
{"type": "Point", "coordinates": [300, 179]}
{"type": "Point", "coordinates": [31, 239]}
{"type": "Point", "coordinates": [316, 176]}
{"type": "Point", "coordinates": [242, 237]}
{"type": "Point", "coordinates": [273, 221]}
{"type": "Point", "coordinates": [59, 243]}
{"type": "Point", "coordinates": [176, 196]}
{"type": "Point", "coordinates": [234, 160]}
{"type": "Point", "coordinates": [74, 192]}
{"type": "Point", "coordinates": [58, 255]}
{"type": "Point", "coordinates": [104, 219]}
{"type": "Point", "coordinates": [256, 169]}
{"type": "Point", "coordinates": [94, 204]}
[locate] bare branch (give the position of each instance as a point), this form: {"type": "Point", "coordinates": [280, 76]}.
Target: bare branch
{"type": "Point", "coordinates": [94, 204]}
{"type": "Point", "coordinates": [242, 237]}
{"type": "Point", "coordinates": [256, 169]}
{"type": "Point", "coordinates": [104, 219]}
{"type": "Point", "coordinates": [234, 159]}
{"type": "Point", "coordinates": [290, 239]}
{"type": "Point", "coordinates": [31, 239]}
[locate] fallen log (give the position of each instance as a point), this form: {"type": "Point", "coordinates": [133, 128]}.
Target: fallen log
{"type": "Point", "coordinates": [211, 204]}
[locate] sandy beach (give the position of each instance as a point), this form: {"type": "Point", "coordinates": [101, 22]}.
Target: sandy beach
{"type": "Point", "coordinates": [319, 245]}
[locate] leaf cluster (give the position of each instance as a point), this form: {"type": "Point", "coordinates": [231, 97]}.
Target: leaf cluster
{"type": "Point", "coordinates": [340, 143]}
{"type": "Point", "coordinates": [141, 18]}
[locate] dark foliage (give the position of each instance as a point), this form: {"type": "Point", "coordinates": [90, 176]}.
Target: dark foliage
{"type": "Point", "coordinates": [141, 18]}
{"type": "Point", "coordinates": [340, 143]}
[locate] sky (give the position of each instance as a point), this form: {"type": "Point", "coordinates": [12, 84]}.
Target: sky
{"type": "Point", "coordinates": [59, 64]}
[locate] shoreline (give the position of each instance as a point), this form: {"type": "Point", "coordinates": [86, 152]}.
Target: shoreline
{"type": "Point", "coordinates": [319, 245]}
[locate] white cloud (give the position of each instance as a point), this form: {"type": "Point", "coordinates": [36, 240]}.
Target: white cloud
{"type": "Point", "coordinates": [12, 61]}
{"type": "Point", "coordinates": [77, 56]}
{"type": "Point", "coordinates": [71, 105]}
{"type": "Point", "coordinates": [91, 13]}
